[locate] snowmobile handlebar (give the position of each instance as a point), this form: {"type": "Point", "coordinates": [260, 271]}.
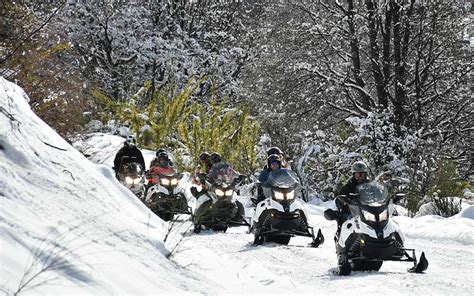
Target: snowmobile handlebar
{"type": "Point", "coordinates": [346, 199]}
{"type": "Point", "coordinates": [351, 199]}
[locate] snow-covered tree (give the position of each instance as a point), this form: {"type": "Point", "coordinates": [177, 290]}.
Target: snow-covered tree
{"type": "Point", "coordinates": [398, 69]}
{"type": "Point", "coordinates": [124, 44]}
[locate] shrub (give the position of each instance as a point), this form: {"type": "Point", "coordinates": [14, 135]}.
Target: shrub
{"type": "Point", "coordinates": [173, 119]}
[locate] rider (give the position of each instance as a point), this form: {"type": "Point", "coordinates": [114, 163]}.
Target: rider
{"type": "Point", "coordinates": [201, 173]}
{"type": "Point", "coordinates": [273, 164]}
{"type": "Point", "coordinates": [359, 175]}
{"type": "Point", "coordinates": [161, 165]}
{"type": "Point", "coordinates": [219, 168]}
{"type": "Point", "coordinates": [214, 160]}
{"type": "Point", "coordinates": [127, 154]}
{"type": "Point", "coordinates": [203, 168]}
{"type": "Point", "coordinates": [154, 161]}
{"type": "Point", "coordinates": [276, 150]}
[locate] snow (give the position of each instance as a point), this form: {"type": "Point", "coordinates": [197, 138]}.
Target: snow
{"type": "Point", "coordinates": [467, 212]}
{"type": "Point", "coordinates": [62, 212]}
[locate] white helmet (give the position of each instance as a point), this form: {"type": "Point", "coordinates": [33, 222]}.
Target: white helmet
{"type": "Point", "coordinates": [130, 140]}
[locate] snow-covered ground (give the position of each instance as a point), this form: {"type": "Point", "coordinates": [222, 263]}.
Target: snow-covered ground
{"type": "Point", "coordinates": [68, 227]}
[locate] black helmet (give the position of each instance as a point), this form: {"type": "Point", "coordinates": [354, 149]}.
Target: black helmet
{"type": "Point", "coordinates": [160, 151]}
{"type": "Point", "coordinates": [274, 150]}
{"type": "Point", "coordinates": [162, 155]}
{"type": "Point", "coordinates": [215, 158]}
{"type": "Point", "coordinates": [204, 156]}
{"type": "Point", "coordinates": [273, 158]}
{"type": "Point", "coordinates": [359, 167]}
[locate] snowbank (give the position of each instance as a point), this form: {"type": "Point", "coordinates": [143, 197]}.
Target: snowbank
{"type": "Point", "coordinates": [467, 212]}
{"type": "Point", "coordinates": [457, 228]}
{"type": "Point", "coordinates": [67, 227]}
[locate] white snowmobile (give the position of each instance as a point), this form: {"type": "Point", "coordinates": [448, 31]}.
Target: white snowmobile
{"type": "Point", "coordinates": [370, 236]}
{"type": "Point", "coordinates": [166, 198]}
{"type": "Point", "coordinates": [282, 215]}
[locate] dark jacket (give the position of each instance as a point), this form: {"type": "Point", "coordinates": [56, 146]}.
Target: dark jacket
{"type": "Point", "coordinates": [262, 178]}
{"type": "Point", "coordinates": [349, 187]}
{"type": "Point", "coordinates": [132, 153]}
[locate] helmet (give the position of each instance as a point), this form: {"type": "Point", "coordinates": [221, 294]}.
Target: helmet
{"type": "Point", "coordinates": [160, 151]}
{"type": "Point", "coordinates": [273, 158]}
{"type": "Point", "coordinates": [274, 150]}
{"type": "Point", "coordinates": [162, 155]}
{"type": "Point", "coordinates": [204, 156]}
{"type": "Point", "coordinates": [359, 167]}
{"type": "Point", "coordinates": [215, 158]}
{"type": "Point", "coordinates": [130, 140]}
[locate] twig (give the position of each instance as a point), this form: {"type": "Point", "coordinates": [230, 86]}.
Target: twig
{"type": "Point", "coordinates": [180, 241]}
{"type": "Point", "coordinates": [72, 176]}
{"type": "Point", "coordinates": [62, 149]}
{"type": "Point", "coordinates": [8, 114]}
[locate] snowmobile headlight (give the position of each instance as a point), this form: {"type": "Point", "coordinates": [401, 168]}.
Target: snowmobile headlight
{"type": "Point", "coordinates": [136, 180]}
{"type": "Point", "coordinates": [165, 181]}
{"type": "Point", "coordinates": [384, 215]}
{"type": "Point", "coordinates": [174, 181]}
{"type": "Point", "coordinates": [279, 195]}
{"type": "Point", "coordinates": [219, 192]}
{"type": "Point", "coordinates": [129, 180]}
{"type": "Point", "coordinates": [290, 195]}
{"type": "Point", "coordinates": [229, 192]}
{"type": "Point", "coordinates": [369, 216]}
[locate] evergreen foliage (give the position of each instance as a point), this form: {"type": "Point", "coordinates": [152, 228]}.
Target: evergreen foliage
{"type": "Point", "coordinates": [230, 132]}
{"type": "Point", "coordinates": [447, 181]}
{"type": "Point", "coordinates": [190, 128]}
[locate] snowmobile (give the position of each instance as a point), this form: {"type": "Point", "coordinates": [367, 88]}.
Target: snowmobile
{"type": "Point", "coordinates": [131, 175]}
{"type": "Point", "coordinates": [282, 214]}
{"type": "Point", "coordinates": [218, 208]}
{"type": "Point", "coordinates": [370, 236]}
{"type": "Point", "coordinates": [165, 197]}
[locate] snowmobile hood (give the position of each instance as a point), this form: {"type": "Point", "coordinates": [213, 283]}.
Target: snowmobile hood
{"type": "Point", "coordinates": [282, 178]}
{"type": "Point", "coordinates": [372, 193]}
{"type": "Point", "coordinates": [132, 168]}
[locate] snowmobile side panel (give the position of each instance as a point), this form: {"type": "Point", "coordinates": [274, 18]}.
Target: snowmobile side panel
{"type": "Point", "coordinates": [202, 199]}
{"type": "Point", "coordinates": [354, 226]}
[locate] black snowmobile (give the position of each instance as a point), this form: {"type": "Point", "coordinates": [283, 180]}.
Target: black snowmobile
{"type": "Point", "coordinates": [282, 215]}
{"type": "Point", "coordinates": [370, 236]}
{"type": "Point", "coordinates": [218, 208]}
{"type": "Point", "coordinates": [166, 198]}
{"type": "Point", "coordinates": [131, 175]}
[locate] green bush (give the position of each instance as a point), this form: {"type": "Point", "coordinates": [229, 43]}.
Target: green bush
{"type": "Point", "coordinates": [447, 180]}
{"type": "Point", "coordinates": [187, 127]}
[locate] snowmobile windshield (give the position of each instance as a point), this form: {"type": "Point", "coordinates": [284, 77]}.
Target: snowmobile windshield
{"type": "Point", "coordinates": [222, 174]}
{"type": "Point", "coordinates": [282, 178]}
{"type": "Point", "coordinates": [372, 194]}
